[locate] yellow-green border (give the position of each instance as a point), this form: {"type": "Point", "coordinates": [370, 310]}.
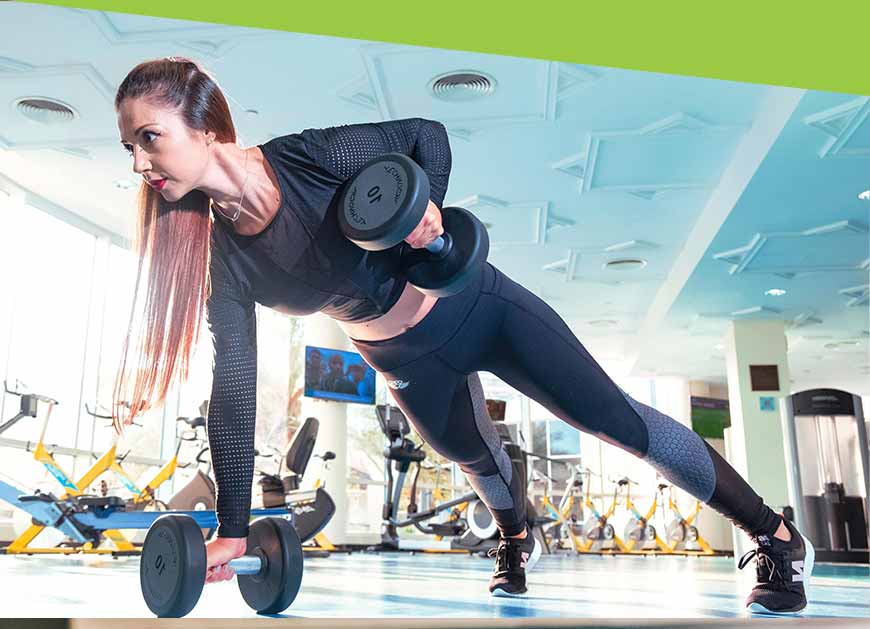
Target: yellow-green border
{"type": "Point", "coordinates": [802, 44]}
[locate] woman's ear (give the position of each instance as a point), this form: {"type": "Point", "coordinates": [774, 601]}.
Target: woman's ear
{"type": "Point", "coordinates": [210, 136]}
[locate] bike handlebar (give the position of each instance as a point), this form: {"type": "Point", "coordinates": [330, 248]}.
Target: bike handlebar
{"type": "Point", "coordinates": [98, 415]}
{"type": "Point", "coordinates": [36, 396]}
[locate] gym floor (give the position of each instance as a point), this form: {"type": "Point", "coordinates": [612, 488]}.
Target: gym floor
{"type": "Point", "coordinates": [444, 586]}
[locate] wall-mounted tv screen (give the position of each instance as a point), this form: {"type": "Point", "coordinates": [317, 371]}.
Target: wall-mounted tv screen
{"type": "Point", "coordinates": [334, 374]}
{"type": "Point", "coordinates": [710, 417]}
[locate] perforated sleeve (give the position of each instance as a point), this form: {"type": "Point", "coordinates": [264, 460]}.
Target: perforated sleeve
{"type": "Point", "coordinates": [232, 410]}
{"type": "Point", "coordinates": [344, 149]}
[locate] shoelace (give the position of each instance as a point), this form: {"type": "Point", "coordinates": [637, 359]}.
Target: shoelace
{"type": "Point", "coordinates": [502, 556]}
{"type": "Point", "coordinates": [766, 568]}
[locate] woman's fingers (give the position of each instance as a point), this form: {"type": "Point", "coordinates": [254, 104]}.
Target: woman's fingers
{"type": "Point", "coordinates": [422, 236]}
{"type": "Point", "coordinates": [219, 552]}
{"type": "Point", "coordinates": [228, 573]}
{"type": "Point", "coordinates": [428, 229]}
{"type": "Point", "coordinates": [222, 572]}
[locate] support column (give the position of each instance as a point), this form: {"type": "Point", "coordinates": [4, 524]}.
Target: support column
{"type": "Point", "coordinates": [321, 331]}
{"type": "Point", "coordinates": [754, 442]}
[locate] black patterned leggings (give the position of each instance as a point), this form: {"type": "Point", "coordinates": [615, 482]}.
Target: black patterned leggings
{"type": "Point", "coordinates": [496, 325]}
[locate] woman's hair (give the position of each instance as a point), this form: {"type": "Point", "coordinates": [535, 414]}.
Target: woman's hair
{"type": "Point", "coordinates": [173, 241]}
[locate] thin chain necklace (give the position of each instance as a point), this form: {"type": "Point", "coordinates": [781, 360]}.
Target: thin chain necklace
{"type": "Point", "coordinates": [238, 213]}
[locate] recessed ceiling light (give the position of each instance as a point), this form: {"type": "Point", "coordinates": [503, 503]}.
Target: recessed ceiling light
{"type": "Point", "coordinates": [720, 347]}
{"type": "Point", "coordinates": [123, 184]}
{"type": "Point", "coordinates": [602, 323]}
{"type": "Point", "coordinates": [864, 196]}
{"type": "Point", "coordinates": [775, 292]}
{"type": "Point", "coordinates": [624, 264]}
{"type": "Point", "coordinates": [841, 344]}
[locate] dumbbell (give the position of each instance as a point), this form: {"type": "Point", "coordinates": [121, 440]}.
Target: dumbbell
{"type": "Point", "coordinates": [382, 204]}
{"type": "Point", "coordinates": [172, 569]}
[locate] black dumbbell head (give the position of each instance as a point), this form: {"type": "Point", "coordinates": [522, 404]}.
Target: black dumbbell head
{"type": "Point", "coordinates": [172, 567]}
{"type": "Point", "coordinates": [449, 272]}
{"type": "Point", "coordinates": [383, 203]}
{"type": "Point", "coordinates": [274, 588]}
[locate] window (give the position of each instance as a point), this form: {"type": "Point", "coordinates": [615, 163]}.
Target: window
{"type": "Point", "coordinates": [49, 319]}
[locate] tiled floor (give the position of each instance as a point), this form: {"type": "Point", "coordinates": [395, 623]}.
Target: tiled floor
{"type": "Point", "coordinates": [448, 586]}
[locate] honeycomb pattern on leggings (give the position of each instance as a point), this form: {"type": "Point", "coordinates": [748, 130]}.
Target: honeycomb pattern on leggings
{"type": "Point", "coordinates": [343, 150]}
{"type": "Point", "coordinates": [678, 453]}
{"type": "Point", "coordinates": [494, 489]}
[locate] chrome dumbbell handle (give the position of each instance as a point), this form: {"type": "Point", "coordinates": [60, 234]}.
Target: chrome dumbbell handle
{"type": "Point", "coordinates": [248, 564]}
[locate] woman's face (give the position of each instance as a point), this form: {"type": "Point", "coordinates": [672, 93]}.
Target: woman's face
{"type": "Point", "coordinates": [169, 156]}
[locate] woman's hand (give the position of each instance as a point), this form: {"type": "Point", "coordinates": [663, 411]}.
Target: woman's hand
{"type": "Point", "coordinates": [218, 552]}
{"type": "Point", "coordinates": [429, 228]}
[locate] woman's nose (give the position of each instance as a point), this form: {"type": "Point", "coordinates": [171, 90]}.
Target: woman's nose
{"type": "Point", "coordinates": [140, 161]}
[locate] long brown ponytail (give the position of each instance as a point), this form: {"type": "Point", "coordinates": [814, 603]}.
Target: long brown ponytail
{"type": "Point", "coordinates": [173, 242]}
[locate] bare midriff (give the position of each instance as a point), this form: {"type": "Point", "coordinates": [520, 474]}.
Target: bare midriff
{"type": "Point", "coordinates": [410, 310]}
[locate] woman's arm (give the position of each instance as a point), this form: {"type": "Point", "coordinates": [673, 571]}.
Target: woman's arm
{"type": "Point", "coordinates": [232, 410]}
{"type": "Point", "coordinates": [345, 149]}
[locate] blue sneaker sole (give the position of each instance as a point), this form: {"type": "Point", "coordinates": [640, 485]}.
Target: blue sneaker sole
{"type": "Point", "coordinates": [761, 610]}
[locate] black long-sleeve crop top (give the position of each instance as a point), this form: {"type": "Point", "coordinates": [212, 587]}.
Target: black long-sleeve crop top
{"type": "Point", "coordinates": [299, 264]}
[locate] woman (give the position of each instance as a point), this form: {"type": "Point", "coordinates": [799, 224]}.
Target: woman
{"type": "Point", "coordinates": [275, 240]}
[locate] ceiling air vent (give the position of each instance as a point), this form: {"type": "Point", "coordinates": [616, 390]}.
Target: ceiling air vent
{"type": "Point", "coordinates": [45, 110]}
{"type": "Point", "coordinates": [462, 86]}
{"type": "Point", "coordinates": [625, 264]}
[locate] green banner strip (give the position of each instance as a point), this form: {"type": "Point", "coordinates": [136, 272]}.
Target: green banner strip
{"type": "Point", "coordinates": [810, 45]}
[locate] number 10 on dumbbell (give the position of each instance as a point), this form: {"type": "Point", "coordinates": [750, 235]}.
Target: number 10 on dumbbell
{"type": "Point", "coordinates": [385, 201]}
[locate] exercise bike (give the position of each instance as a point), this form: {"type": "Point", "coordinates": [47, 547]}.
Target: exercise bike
{"type": "Point", "coordinates": [640, 534]}
{"type": "Point", "coordinates": [682, 533]}
{"type": "Point", "coordinates": [469, 527]}
{"type": "Point", "coordinates": [312, 508]}
{"type": "Point", "coordinates": [141, 498]}
{"type": "Point", "coordinates": [599, 535]}
{"type": "Point", "coordinates": [42, 508]}
{"type": "Point", "coordinates": [565, 519]}
{"type": "Point", "coordinates": [71, 488]}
